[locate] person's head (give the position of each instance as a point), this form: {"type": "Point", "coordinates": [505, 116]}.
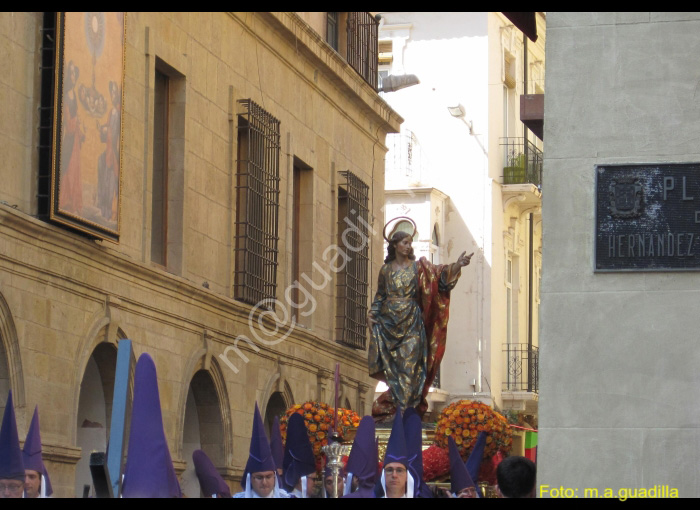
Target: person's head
{"type": "Point", "coordinates": [516, 477]}
{"type": "Point", "coordinates": [310, 488]}
{"type": "Point", "coordinates": [328, 484]}
{"type": "Point", "coordinates": [395, 476]}
{"type": "Point", "coordinates": [11, 488]}
{"type": "Point", "coordinates": [355, 484]}
{"type": "Point", "coordinates": [401, 242]}
{"type": "Point", "coordinates": [11, 465]}
{"type": "Point", "coordinates": [313, 487]}
{"type": "Point", "coordinates": [467, 492]}
{"type": "Point", "coordinates": [32, 483]}
{"type": "Point", "coordinates": [263, 482]}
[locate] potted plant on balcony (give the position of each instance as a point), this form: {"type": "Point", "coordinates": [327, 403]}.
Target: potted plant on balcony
{"type": "Point", "coordinates": [516, 171]}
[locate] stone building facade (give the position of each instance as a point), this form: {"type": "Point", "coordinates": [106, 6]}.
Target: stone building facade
{"type": "Point", "coordinates": [67, 298]}
{"type": "Point", "coordinates": [620, 377]}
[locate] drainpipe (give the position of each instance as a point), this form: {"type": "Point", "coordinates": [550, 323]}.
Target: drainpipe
{"type": "Point", "coordinates": [530, 295]}
{"type": "Point", "coordinates": [525, 129]}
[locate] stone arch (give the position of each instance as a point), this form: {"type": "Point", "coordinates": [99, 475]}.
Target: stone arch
{"type": "Point", "coordinates": [95, 368]}
{"type": "Point", "coordinates": [93, 414]}
{"type": "Point", "coordinates": [276, 406]}
{"type": "Point", "coordinates": [288, 395]}
{"type": "Point", "coordinates": [10, 360]}
{"type": "Point", "coordinates": [94, 408]}
{"type": "Point", "coordinates": [272, 385]}
{"type": "Point", "coordinates": [203, 361]}
{"type": "Point", "coordinates": [276, 398]}
{"type": "Point", "coordinates": [103, 329]}
{"type": "Point", "coordinates": [204, 418]}
{"type": "Point", "coordinates": [276, 382]}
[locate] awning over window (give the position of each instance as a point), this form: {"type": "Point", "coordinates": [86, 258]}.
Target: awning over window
{"type": "Point", "coordinates": [525, 21]}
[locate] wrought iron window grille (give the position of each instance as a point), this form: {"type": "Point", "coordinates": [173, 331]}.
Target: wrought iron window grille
{"type": "Point", "coordinates": [363, 45]}
{"type": "Point", "coordinates": [522, 368]}
{"type": "Point", "coordinates": [353, 281]}
{"type": "Point", "coordinates": [46, 113]}
{"type": "Point", "coordinates": [257, 206]}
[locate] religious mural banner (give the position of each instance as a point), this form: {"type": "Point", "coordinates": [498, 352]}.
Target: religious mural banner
{"type": "Point", "coordinates": [87, 136]}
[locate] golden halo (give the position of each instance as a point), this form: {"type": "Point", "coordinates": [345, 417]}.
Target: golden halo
{"type": "Point", "coordinates": [415, 229]}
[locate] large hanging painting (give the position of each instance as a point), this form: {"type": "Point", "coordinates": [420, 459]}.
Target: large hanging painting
{"type": "Point", "coordinates": [87, 154]}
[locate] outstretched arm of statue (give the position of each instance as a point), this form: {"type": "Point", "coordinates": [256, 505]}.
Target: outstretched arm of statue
{"type": "Point", "coordinates": [455, 269]}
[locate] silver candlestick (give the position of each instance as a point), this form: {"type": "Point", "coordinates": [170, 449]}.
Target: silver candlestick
{"type": "Point", "coordinates": [335, 450]}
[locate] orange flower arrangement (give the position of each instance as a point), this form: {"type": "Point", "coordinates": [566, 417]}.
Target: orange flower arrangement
{"type": "Point", "coordinates": [464, 419]}
{"type": "Point", "coordinates": [318, 417]}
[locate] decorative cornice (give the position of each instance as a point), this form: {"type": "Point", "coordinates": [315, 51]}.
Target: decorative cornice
{"type": "Point", "coordinates": [336, 68]}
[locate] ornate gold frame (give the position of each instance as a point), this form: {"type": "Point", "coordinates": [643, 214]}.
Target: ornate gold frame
{"type": "Point", "coordinates": [83, 183]}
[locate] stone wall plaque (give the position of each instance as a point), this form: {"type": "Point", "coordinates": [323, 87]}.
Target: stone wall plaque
{"type": "Point", "coordinates": [648, 217]}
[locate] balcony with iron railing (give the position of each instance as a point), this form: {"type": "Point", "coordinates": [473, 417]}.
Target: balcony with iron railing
{"type": "Point", "coordinates": [522, 162]}
{"type": "Point", "coordinates": [522, 368]}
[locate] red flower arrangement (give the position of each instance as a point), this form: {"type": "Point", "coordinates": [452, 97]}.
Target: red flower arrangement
{"type": "Point", "coordinates": [436, 462]}
{"type": "Point", "coordinates": [318, 418]}
{"type": "Point", "coordinates": [464, 419]}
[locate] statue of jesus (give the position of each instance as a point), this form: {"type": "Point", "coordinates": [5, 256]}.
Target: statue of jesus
{"type": "Point", "coordinates": [408, 323]}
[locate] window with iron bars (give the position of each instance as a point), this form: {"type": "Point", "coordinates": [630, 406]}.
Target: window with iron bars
{"type": "Point", "coordinates": [46, 113]}
{"type": "Point", "coordinates": [363, 43]}
{"type": "Point", "coordinates": [257, 206]}
{"type": "Point", "coordinates": [352, 280]}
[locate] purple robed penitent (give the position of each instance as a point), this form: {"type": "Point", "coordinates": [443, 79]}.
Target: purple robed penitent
{"type": "Point", "coordinates": [31, 454]}
{"type": "Point", "coordinates": [413, 428]}
{"type": "Point", "coordinates": [11, 466]}
{"type": "Point", "coordinates": [459, 476]}
{"type": "Point", "coordinates": [363, 460]}
{"type": "Point", "coordinates": [298, 454]}
{"type": "Point", "coordinates": [260, 456]}
{"type": "Point", "coordinates": [149, 471]}
{"type": "Point", "coordinates": [210, 481]}
{"type": "Point", "coordinates": [474, 461]}
{"type": "Point", "coordinates": [396, 451]}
